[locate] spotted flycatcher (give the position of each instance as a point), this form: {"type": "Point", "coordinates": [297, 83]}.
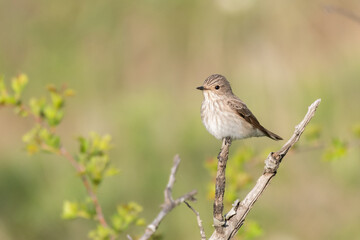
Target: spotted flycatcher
{"type": "Point", "coordinates": [225, 115]}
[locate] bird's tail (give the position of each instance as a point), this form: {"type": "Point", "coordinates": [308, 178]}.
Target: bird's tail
{"type": "Point", "coordinates": [271, 134]}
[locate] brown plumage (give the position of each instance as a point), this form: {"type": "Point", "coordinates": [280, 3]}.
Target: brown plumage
{"type": "Point", "coordinates": [239, 107]}
{"type": "Point", "coordinates": [225, 115]}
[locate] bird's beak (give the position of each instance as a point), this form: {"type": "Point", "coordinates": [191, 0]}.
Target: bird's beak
{"type": "Point", "coordinates": [201, 88]}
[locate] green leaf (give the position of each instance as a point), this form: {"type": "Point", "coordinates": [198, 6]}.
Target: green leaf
{"type": "Point", "coordinates": [96, 167]}
{"type": "Point", "coordinates": [49, 138]}
{"type": "Point", "coordinates": [70, 210]}
{"type": "Point", "coordinates": [100, 143]}
{"type": "Point", "coordinates": [30, 138]}
{"type": "Point", "coordinates": [59, 117]}
{"type": "Point", "coordinates": [112, 171]}
{"type": "Point", "coordinates": [84, 144]}
{"type": "Point", "coordinates": [101, 233]}
{"type": "Point", "coordinates": [18, 84]}
{"type": "Point", "coordinates": [57, 100]}
{"type": "Point", "coordinates": [94, 156]}
{"type": "Point", "coordinates": [53, 115]}
{"type": "Point", "coordinates": [127, 215]}
{"type": "Point", "coordinates": [38, 136]}
{"type": "Point", "coordinates": [37, 106]}
{"type": "Point", "coordinates": [50, 112]}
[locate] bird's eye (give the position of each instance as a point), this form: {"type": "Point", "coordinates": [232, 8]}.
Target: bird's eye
{"type": "Point", "coordinates": [217, 87]}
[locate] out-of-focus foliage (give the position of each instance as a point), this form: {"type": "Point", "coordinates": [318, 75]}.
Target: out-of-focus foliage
{"type": "Point", "coordinates": [336, 150]}
{"type": "Point", "coordinates": [101, 233]}
{"type": "Point", "coordinates": [127, 215]}
{"type": "Point", "coordinates": [93, 154]}
{"type": "Point", "coordinates": [39, 138]}
{"type": "Point", "coordinates": [72, 210]}
{"type": "Point", "coordinates": [13, 98]}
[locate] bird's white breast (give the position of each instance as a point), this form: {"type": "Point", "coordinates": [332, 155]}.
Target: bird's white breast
{"type": "Point", "coordinates": [222, 121]}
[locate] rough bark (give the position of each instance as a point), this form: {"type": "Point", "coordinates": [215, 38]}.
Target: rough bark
{"type": "Point", "coordinates": [220, 184]}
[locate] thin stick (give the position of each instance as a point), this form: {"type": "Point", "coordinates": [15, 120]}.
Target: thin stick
{"type": "Point", "coordinates": [202, 231]}
{"type": "Point", "coordinates": [236, 216]}
{"type": "Point", "coordinates": [169, 203]}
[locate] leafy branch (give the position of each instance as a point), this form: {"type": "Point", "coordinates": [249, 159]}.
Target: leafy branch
{"type": "Point", "coordinates": [91, 163]}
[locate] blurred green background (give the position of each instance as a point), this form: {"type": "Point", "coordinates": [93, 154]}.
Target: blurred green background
{"type": "Point", "coordinates": [135, 66]}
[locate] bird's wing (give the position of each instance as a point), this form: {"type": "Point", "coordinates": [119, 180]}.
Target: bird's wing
{"type": "Point", "coordinates": [240, 108]}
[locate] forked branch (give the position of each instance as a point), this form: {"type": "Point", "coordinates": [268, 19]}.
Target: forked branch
{"type": "Point", "coordinates": [235, 218]}
{"type": "Point", "coordinates": [169, 202]}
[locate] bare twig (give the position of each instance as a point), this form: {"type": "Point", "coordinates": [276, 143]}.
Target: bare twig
{"type": "Point", "coordinates": [169, 202]}
{"type": "Point", "coordinates": [220, 184]}
{"type": "Point", "coordinates": [202, 231]}
{"type": "Point", "coordinates": [236, 216]}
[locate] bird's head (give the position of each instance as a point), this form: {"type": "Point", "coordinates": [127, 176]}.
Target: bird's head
{"type": "Point", "coordinates": [215, 85]}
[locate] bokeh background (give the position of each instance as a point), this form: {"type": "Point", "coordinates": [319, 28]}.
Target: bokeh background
{"type": "Point", "coordinates": [135, 66]}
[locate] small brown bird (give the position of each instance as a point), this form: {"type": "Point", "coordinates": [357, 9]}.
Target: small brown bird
{"type": "Point", "coordinates": [225, 115]}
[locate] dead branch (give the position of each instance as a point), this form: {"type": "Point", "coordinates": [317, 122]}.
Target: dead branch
{"type": "Point", "coordinates": [220, 184]}
{"type": "Point", "coordinates": [169, 202]}
{"type": "Point", "coordinates": [235, 218]}
{"type": "Point", "coordinates": [202, 231]}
